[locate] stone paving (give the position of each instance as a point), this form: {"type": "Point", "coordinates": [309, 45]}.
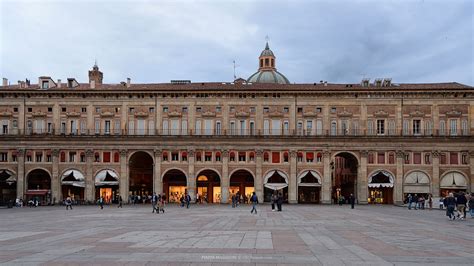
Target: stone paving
{"type": "Point", "coordinates": [221, 235]}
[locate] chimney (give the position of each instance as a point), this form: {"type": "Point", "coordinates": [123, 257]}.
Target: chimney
{"type": "Point", "coordinates": [5, 82]}
{"type": "Point", "coordinates": [128, 82]}
{"type": "Point", "coordinates": [59, 83]}
{"type": "Point", "coordinates": [92, 83]}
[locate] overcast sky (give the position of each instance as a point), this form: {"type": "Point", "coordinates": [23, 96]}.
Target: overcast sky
{"type": "Point", "coordinates": [157, 41]}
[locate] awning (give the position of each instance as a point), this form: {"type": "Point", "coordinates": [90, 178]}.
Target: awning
{"type": "Point", "coordinates": [381, 178]}
{"type": "Point", "coordinates": [276, 186]}
{"type": "Point", "coordinates": [39, 192]}
{"type": "Point", "coordinates": [375, 185]}
{"type": "Point", "coordinates": [309, 184]}
{"type": "Point", "coordinates": [453, 180]}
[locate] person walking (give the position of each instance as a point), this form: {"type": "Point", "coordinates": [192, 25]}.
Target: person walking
{"type": "Point", "coordinates": [279, 201]}
{"type": "Point", "coordinates": [461, 202]}
{"type": "Point", "coordinates": [188, 200]}
{"type": "Point", "coordinates": [450, 203]}
{"type": "Point", "coordinates": [352, 200]}
{"type": "Point", "coordinates": [273, 200]}
{"type": "Point", "coordinates": [68, 203]}
{"type": "Point", "coordinates": [154, 200]}
{"type": "Point", "coordinates": [254, 200]}
{"type": "Point", "coordinates": [415, 200]}
{"type": "Point", "coordinates": [101, 202]}
{"type": "Point", "coordinates": [161, 204]}
{"type": "Point", "coordinates": [430, 201]}
{"type": "Point", "coordinates": [120, 201]}
{"type": "Point", "coordinates": [233, 200]}
{"type": "Point", "coordinates": [410, 201]}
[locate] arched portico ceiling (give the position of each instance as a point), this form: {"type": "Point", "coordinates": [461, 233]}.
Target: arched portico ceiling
{"type": "Point", "coordinates": [453, 180]}
{"type": "Point", "coordinates": [381, 178]}
{"type": "Point", "coordinates": [106, 177]}
{"type": "Point", "coordinates": [275, 186]}
{"type": "Point", "coordinates": [74, 178]}
{"type": "Point", "coordinates": [417, 178]}
{"type": "Point", "coordinates": [7, 176]}
{"type": "Point", "coordinates": [309, 172]}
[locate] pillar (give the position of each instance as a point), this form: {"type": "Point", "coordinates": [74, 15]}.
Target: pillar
{"type": "Point", "coordinates": [292, 186]}
{"type": "Point", "coordinates": [471, 179]}
{"type": "Point", "coordinates": [124, 183]}
{"type": "Point", "coordinates": [56, 191]}
{"type": "Point", "coordinates": [20, 181]}
{"type": "Point", "coordinates": [90, 184]}
{"type": "Point", "coordinates": [362, 186]}
{"type": "Point", "coordinates": [398, 187]}
{"type": "Point", "coordinates": [158, 183]}
{"type": "Point", "coordinates": [258, 182]}
{"type": "Point", "coordinates": [191, 186]}
{"type": "Point", "coordinates": [225, 178]}
{"type": "Point", "coordinates": [327, 179]}
{"type": "Point", "coordinates": [435, 174]}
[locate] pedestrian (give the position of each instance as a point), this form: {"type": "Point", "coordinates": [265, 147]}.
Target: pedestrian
{"type": "Point", "coordinates": [461, 202]}
{"type": "Point", "coordinates": [441, 203]}
{"type": "Point", "coordinates": [197, 198]}
{"type": "Point", "coordinates": [188, 200]}
{"type": "Point", "coordinates": [415, 200]}
{"type": "Point", "coordinates": [182, 201]}
{"type": "Point", "coordinates": [254, 200]}
{"type": "Point", "coordinates": [471, 205]}
{"type": "Point", "coordinates": [101, 202]}
{"type": "Point", "coordinates": [273, 200]}
{"type": "Point", "coordinates": [68, 203]}
{"type": "Point", "coordinates": [430, 201]}
{"type": "Point", "coordinates": [154, 201]}
{"type": "Point", "coordinates": [352, 200]}
{"type": "Point", "coordinates": [410, 201]}
{"type": "Point", "coordinates": [279, 201]}
{"type": "Point", "coordinates": [450, 203]}
{"type": "Point", "coordinates": [120, 202]}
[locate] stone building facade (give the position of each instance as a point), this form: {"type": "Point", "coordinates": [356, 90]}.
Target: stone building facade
{"type": "Point", "coordinates": [311, 142]}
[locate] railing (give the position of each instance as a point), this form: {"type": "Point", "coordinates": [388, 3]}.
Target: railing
{"type": "Point", "coordinates": [240, 133]}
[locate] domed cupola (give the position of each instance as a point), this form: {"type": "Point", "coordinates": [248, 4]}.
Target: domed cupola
{"type": "Point", "coordinates": [267, 72]}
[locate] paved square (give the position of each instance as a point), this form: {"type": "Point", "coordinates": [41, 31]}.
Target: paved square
{"type": "Point", "coordinates": [221, 235]}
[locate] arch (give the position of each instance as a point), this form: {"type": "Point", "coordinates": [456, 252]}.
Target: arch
{"type": "Point", "coordinates": [38, 168]}
{"type": "Point", "coordinates": [209, 188]}
{"type": "Point", "coordinates": [275, 185]}
{"type": "Point", "coordinates": [315, 173]}
{"type": "Point", "coordinates": [243, 169]}
{"type": "Point", "coordinates": [341, 153]}
{"type": "Point", "coordinates": [8, 181]}
{"type": "Point", "coordinates": [269, 174]}
{"type": "Point", "coordinates": [173, 168]}
{"type": "Point", "coordinates": [73, 177]}
{"type": "Point", "coordinates": [209, 169]}
{"type": "Point", "coordinates": [140, 172]}
{"type": "Point", "coordinates": [7, 175]}
{"type": "Point", "coordinates": [135, 152]}
{"type": "Point", "coordinates": [106, 177]}
{"type": "Point", "coordinates": [378, 178]}
{"type": "Point", "coordinates": [412, 179]}
{"type": "Point", "coordinates": [453, 180]}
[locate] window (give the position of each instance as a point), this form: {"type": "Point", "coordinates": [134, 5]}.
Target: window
{"type": "Point", "coordinates": [198, 109]}
{"type": "Point", "coordinates": [106, 158]}
{"type": "Point", "coordinates": [242, 157]}
{"type": "Point", "coordinates": [370, 158]}
{"type": "Point", "coordinates": [15, 109]}
{"type": "Point", "coordinates": [252, 128]}
{"type": "Point", "coordinates": [319, 127]}
{"type": "Point", "coordinates": [97, 157]}
{"type": "Point", "coordinates": [286, 109]}
{"type": "Point", "coordinates": [83, 109]}
{"type": "Point", "coordinates": [427, 158]}
{"type": "Point", "coordinates": [107, 127]}
{"type": "Point", "coordinates": [370, 127]}
{"type": "Point", "coordinates": [48, 158]}
{"type": "Point", "coordinates": [453, 127]}
{"type": "Point", "coordinates": [184, 127]}
{"type": "Point", "coordinates": [309, 157]}
{"type": "Point", "coordinates": [97, 109]}
{"type": "Point", "coordinates": [381, 158]}
{"type": "Point", "coordinates": [198, 156]}
{"type": "Point", "coordinates": [218, 156]}
{"type": "Point", "coordinates": [3, 157]}
{"type": "Point", "coordinates": [344, 127]}
{"type": "Point", "coordinates": [252, 157]}
{"type": "Point", "coordinates": [333, 128]}
{"type": "Point", "coordinates": [218, 128]}
{"type": "Point", "coordinates": [252, 110]}
{"type": "Point", "coordinates": [299, 128]}
{"type": "Point", "coordinates": [232, 128]}
{"type": "Point", "coordinates": [151, 110]}
{"type": "Point", "coordinates": [30, 109]}
{"type": "Point", "coordinates": [165, 156]}
{"type": "Point", "coordinates": [391, 158]}
{"type": "Point", "coordinates": [391, 127]}
{"type": "Point", "coordinates": [175, 156]}
{"type": "Point", "coordinates": [407, 158]}
{"type": "Point", "coordinates": [453, 158]}
{"type": "Point", "coordinates": [232, 109]}
{"type": "Point", "coordinates": [242, 128]}
{"type": "Point", "coordinates": [285, 157]}
{"type": "Point", "coordinates": [442, 127]}
{"type": "Point", "coordinates": [208, 156]}
{"type": "Point", "coordinates": [117, 109]}
{"type": "Point", "coordinates": [442, 158]}
{"type": "Point", "coordinates": [416, 158]}
{"type": "Point", "coordinates": [319, 157]}
{"type": "Point", "coordinates": [39, 156]}
{"type": "Point", "coordinates": [184, 156]}
{"type": "Point", "coordinates": [131, 110]}
{"type": "Point", "coordinates": [275, 157]}
{"type": "Point", "coordinates": [299, 157]}
{"type": "Point", "coordinates": [198, 127]}
{"type": "Point", "coordinates": [380, 127]}
{"type": "Point", "coordinates": [464, 158]}
{"type": "Point", "coordinates": [218, 109]}
{"type": "Point", "coordinates": [319, 109]}
{"type": "Point", "coordinates": [83, 126]}
{"type": "Point", "coordinates": [232, 157]}
{"type": "Point", "coordinates": [165, 109]}
{"type": "Point", "coordinates": [416, 127]}
{"type": "Point", "coordinates": [309, 127]}
{"type": "Point", "coordinates": [333, 110]}
{"type": "Point", "coordinates": [406, 127]}
{"type": "Point", "coordinates": [29, 158]}
{"type": "Point", "coordinates": [116, 157]}
{"type": "Point", "coordinates": [62, 157]}
{"type": "Point", "coordinates": [63, 127]}
{"type": "Point", "coordinates": [464, 128]}
{"type": "Point", "coordinates": [82, 157]}
{"type": "Point", "coordinates": [266, 157]}
{"type": "Point", "coordinates": [97, 126]}
{"type": "Point", "coordinates": [63, 109]}
{"type": "Point", "coordinates": [265, 109]}
{"type": "Point", "coordinates": [72, 156]}
{"type": "Point", "coordinates": [428, 128]}
{"type": "Point", "coordinates": [45, 84]}
{"type": "Point", "coordinates": [164, 128]}
{"type": "Point", "coordinates": [116, 127]}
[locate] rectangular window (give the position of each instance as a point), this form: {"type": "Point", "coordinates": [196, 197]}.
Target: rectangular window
{"type": "Point", "coordinates": [309, 127]}
{"type": "Point", "coordinates": [97, 126]}
{"type": "Point", "coordinates": [453, 158]}
{"type": "Point", "coordinates": [117, 128]}
{"type": "Point", "coordinates": [286, 128]}
{"type": "Point", "coordinates": [266, 127]}
{"type": "Point", "coordinates": [232, 128]}
{"type": "Point", "coordinates": [416, 158]}
{"type": "Point", "coordinates": [218, 128]}
{"type": "Point", "coordinates": [184, 127]}
{"type": "Point", "coordinates": [174, 156]}
{"type": "Point", "coordinates": [165, 109]}
{"type": "Point", "coordinates": [370, 158]}
{"type": "Point", "coordinates": [83, 109]}
{"type": "Point", "coordinates": [63, 127]}
{"type": "Point", "coordinates": [106, 157]}
{"type": "Point", "coordinates": [198, 127]}
{"type": "Point", "coordinates": [299, 128]}
{"type": "Point", "coordinates": [370, 127]}
{"type": "Point", "coordinates": [164, 129]}
{"type": "Point", "coordinates": [391, 127]}
{"type": "Point", "coordinates": [184, 110]}
{"type": "Point", "coordinates": [319, 127]}
{"type": "Point", "coordinates": [48, 158]}
{"type": "Point", "coordinates": [131, 110]}
{"type": "Point", "coordinates": [286, 109]}
{"type": "Point", "coordinates": [381, 158]}
{"type": "Point", "coordinates": [406, 127]}
{"type": "Point", "coordinates": [275, 157]}
{"type": "Point", "coordinates": [72, 156]}
{"type": "Point", "coordinates": [3, 157]}
{"type": "Point", "coordinates": [29, 158]}
{"type": "Point", "coordinates": [141, 126]}
{"type": "Point", "coordinates": [333, 128]}
{"type": "Point", "coordinates": [151, 110]}
{"type": "Point", "coordinates": [97, 109]}
{"type": "Point", "coordinates": [453, 127]}
{"type": "Point", "coordinates": [45, 84]}
{"type": "Point", "coordinates": [265, 109]}
{"type": "Point", "coordinates": [242, 128]}
{"type": "Point", "coordinates": [252, 128]}
{"type": "Point", "coordinates": [427, 158]}
{"type": "Point", "coordinates": [208, 127]}
{"type": "Point", "coordinates": [151, 127]}
{"type": "Point", "coordinates": [83, 158]}
{"type": "Point", "coordinates": [175, 127]}
{"type": "Point", "coordinates": [276, 127]}
{"type": "Point", "coordinates": [83, 127]}
{"type": "Point", "coordinates": [131, 127]}
{"type": "Point", "coordinates": [416, 127]}
{"type": "Point", "coordinates": [242, 157]}
{"type": "Point", "coordinates": [442, 158]}
{"type": "Point", "coordinates": [380, 127]}
{"type": "Point", "coordinates": [208, 156]}
{"type": "Point", "coordinates": [442, 127]}
{"type": "Point", "coordinates": [107, 127]}
{"type": "Point", "coordinates": [391, 158]}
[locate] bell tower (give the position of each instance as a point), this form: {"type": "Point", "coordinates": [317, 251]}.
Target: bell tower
{"type": "Point", "coordinates": [267, 59]}
{"type": "Point", "coordinates": [95, 76]}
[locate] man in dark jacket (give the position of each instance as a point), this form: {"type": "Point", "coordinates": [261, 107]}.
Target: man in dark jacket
{"type": "Point", "coordinates": [352, 200]}
{"type": "Point", "coordinates": [279, 201]}
{"type": "Point", "coordinates": [461, 202]}
{"type": "Point", "coordinates": [451, 204]}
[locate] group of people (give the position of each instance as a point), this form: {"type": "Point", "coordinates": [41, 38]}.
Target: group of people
{"type": "Point", "coordinates": [419, 201]}
{"type": "Point", "coordinates": [276, 199]}
{"type": "Point", "coordinates": [185, 200]}
{"type": "Point", "coordinates": [456, 205]}
{"type": "Point", "coordinates": [158, 203]}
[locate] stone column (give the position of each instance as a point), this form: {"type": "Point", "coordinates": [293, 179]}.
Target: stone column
{"type": "Point", "coordinates": [225, 179]}
{"type": "Point", "coordinates": [327, 179]}
{"type": "Point", "coordinates": [191, 186]}
{"type": "Point", "coordinates": [56, 191]}
{"type": "Point", "coordinates": [157, 173]}
{"type": "Point", "coordinates": [124, 183]}
{"type": "Point", "coordinates": [292, 186]}
{"type": "Point", "coordinates": [90, 184]}
{"type": "Point", "coordinates": [258, 182]}
{"type": "Point", "coordinates": [435, 174]}
{"type": "Point", "coordinates": [398, 186]}
{"type": "Point", "coordinates": [20, 181]}
{"type": "Point", "coordinates": [362, 186]}
{"type": "Point", "coordinates": [471, 180]}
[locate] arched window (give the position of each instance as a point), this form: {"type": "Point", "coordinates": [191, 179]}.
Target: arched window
{"type": "Point", "coordinates": [252, 156]}
{"type": "Point", "coordinates": [198, 156]}
{"type": "Point", "coordinates": [333, 128]}
{"type": "Point", "coordinates": [63, 157]}
{"type": "Point", "coordinates": [96, 157]}
{"type": "Point", "coordinates": [265, 157]}
{"type": "Point", "coordinates": [442, 127]}
{"type": "Point", "coordinates": [261, 62]}
{"type": "Point", "coordinates": [184, 156]}
{"type": "Point", "coordinates": [165, 156]}
{"type": "Point", "coordinates": [266, 62]}
{"type": "Point", "coordinates": [309, 157]}
{"type": "Point", "coordinates": [391, 158]}
{"type": "Point", "coordinates": [116, 157]}
{"type": "Point", "coordinates": [218, 156]}
{"type": "Point", "coordinates": [273, 62]}
{"type": "Point", "coordinates": [285, 157]}
{"type": "Point", "coordinates": [370, 158]}
{"type": "Point", "coordinates": [319, 157]}
{"type": "Point", "coordinates": [232, 157]}
{"type": "Point", "coordinates": [299, 156]}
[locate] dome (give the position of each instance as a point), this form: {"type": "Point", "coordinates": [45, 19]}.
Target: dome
{"type": "Point", "coordinates": [268, 76]}
{"type": "Point", "coordinates": [267, 51]}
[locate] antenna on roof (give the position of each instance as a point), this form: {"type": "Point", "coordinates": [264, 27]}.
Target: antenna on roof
{"type": "Point", "coordinates": [233, 61]}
